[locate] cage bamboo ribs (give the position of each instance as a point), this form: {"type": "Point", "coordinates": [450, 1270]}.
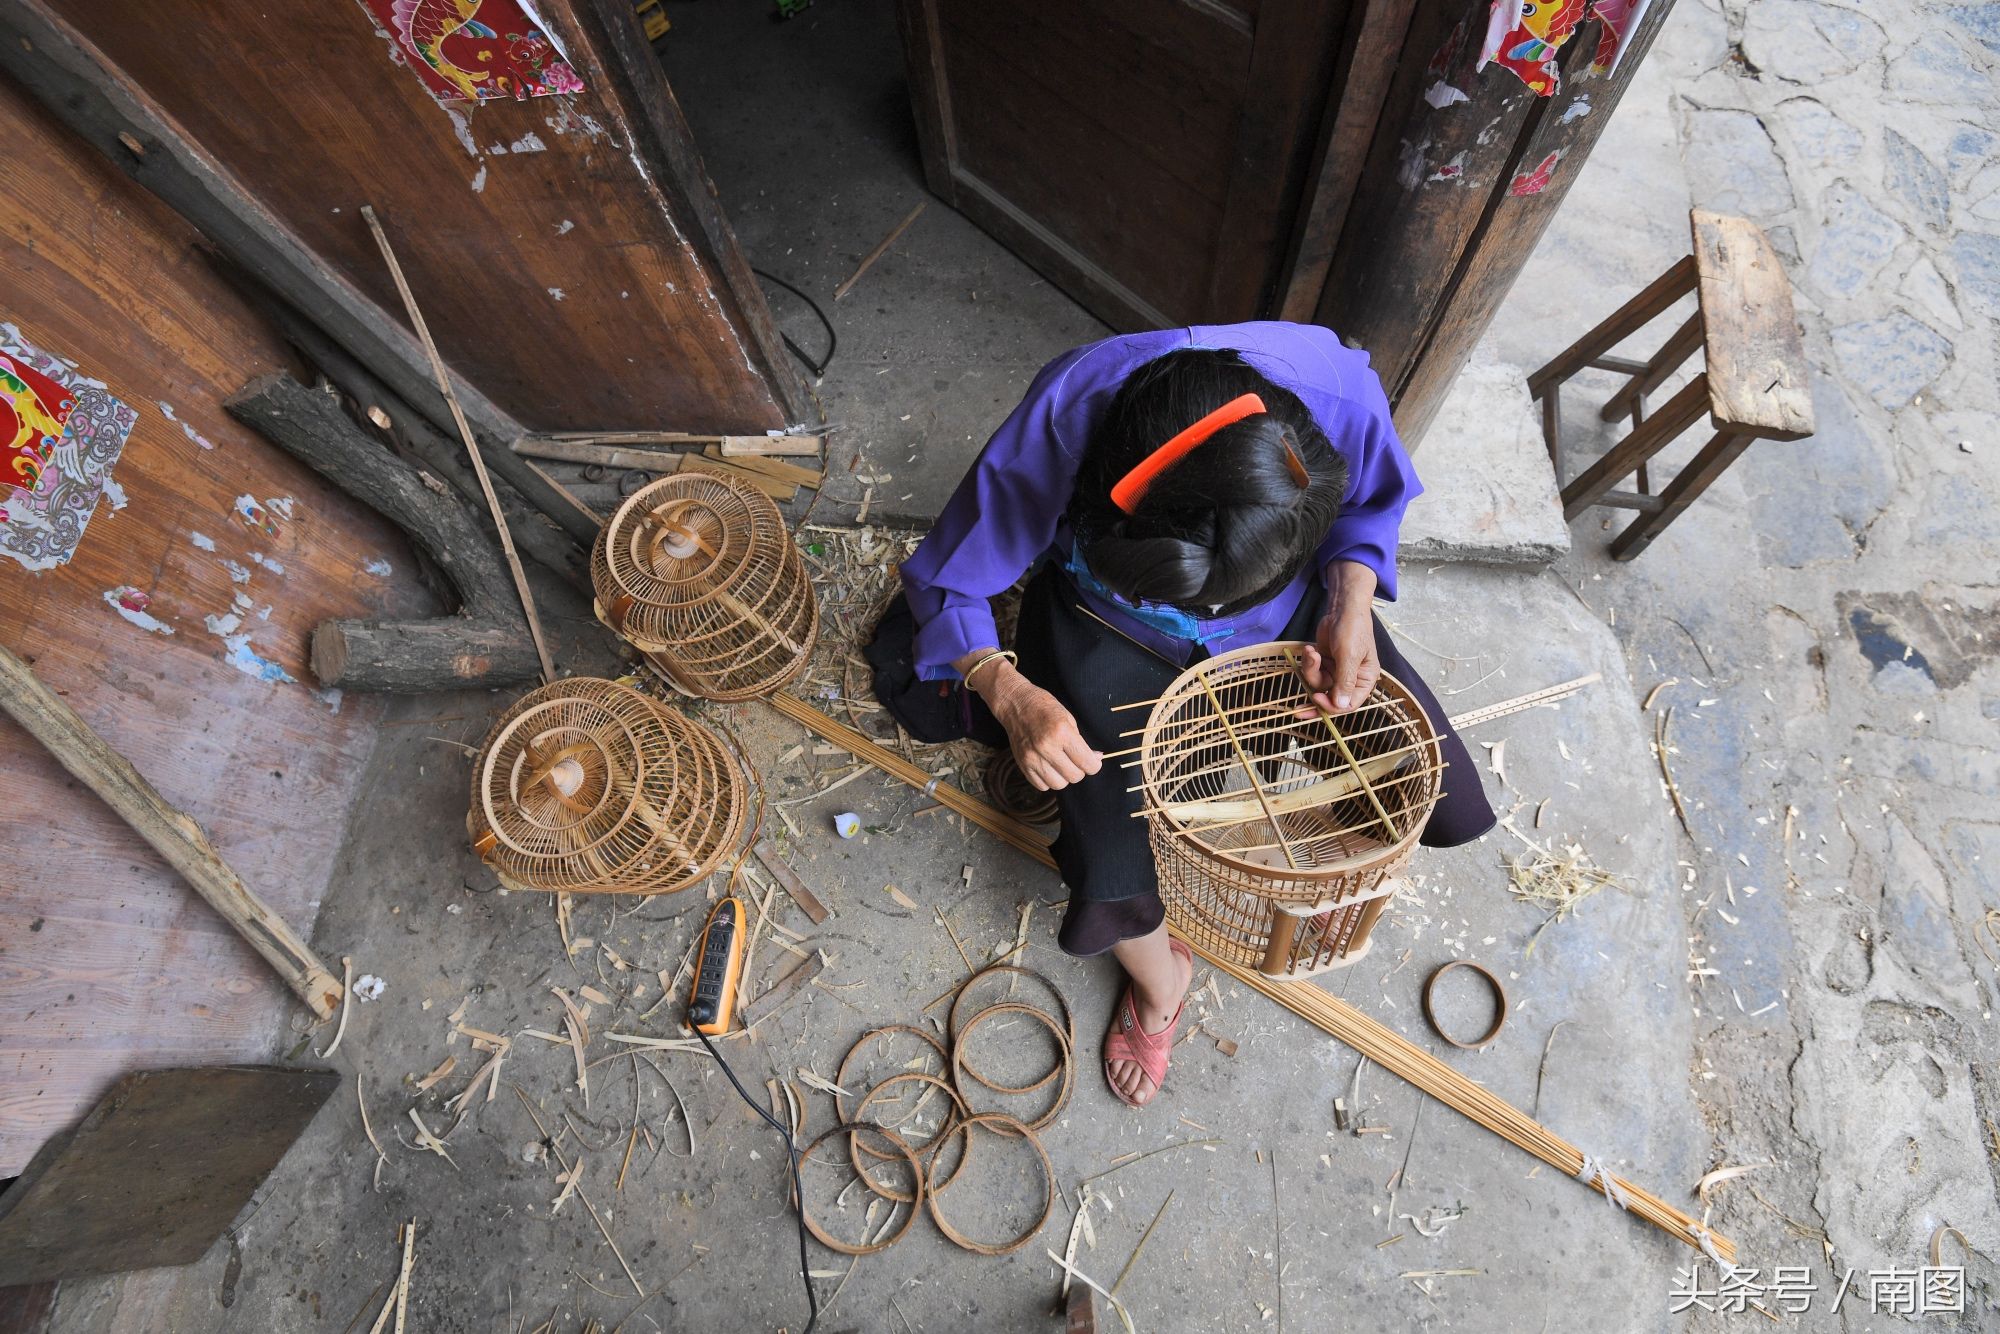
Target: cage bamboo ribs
{"type": "Point", "coordinates": [588, 786]}
{"type": "Point", "coordinates": [699, 571]}
{"type": "Point", "coordinates": [1277, 831]}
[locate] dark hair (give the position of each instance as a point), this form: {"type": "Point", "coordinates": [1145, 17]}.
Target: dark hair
{"type": "Point", "coordinates": [1228, 525]}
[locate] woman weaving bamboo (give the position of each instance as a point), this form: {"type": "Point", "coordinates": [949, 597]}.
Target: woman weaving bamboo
{"type": "Point", "coordinates": [1177, 493]}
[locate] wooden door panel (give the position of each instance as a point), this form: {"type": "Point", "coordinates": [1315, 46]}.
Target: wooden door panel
{"type": "Point", "coordinates": [1148, 156]}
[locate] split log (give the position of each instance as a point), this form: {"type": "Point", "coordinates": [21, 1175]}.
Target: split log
{"type": "Point", "coordinates": [171, 832]}
{"type": "Point", "coordinates": [485, 643]}
{"type": "Point", "coordinates": [538, 536]}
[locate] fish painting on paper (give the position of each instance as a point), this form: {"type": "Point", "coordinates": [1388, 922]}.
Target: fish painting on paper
{"type": "Point", "coordinates": [475, 50]}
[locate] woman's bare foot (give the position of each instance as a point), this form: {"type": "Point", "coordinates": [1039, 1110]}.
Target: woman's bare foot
{"type": "Point", "coordinates": [1159, 977]}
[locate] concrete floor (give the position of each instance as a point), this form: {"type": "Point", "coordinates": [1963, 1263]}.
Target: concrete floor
{"type": "Point", "coordinates": [1845, 1037]}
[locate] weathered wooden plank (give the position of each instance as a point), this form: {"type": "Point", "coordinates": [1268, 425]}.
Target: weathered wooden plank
{"type": "Point", "coordinates": [1757, 375]}
{"type": "Point", "coordinates": [157, 1170]}
{"type": "Point", "coordinates": [170, 832]}
{"type": "Point", "coordinates": [1368, 59]}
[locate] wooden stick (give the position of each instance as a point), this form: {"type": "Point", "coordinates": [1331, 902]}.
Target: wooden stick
{"type": "Point", "coordinates": [172, 833]}
{"type": "Point", "coordinates": [732, 446]}
{"type": "Point", "coordinates": [652, 460]}
{"type": "Point", "coordinates": [1331, 1015]}
{"type": "Point", "coordinates": [1471, 717]}
{"type": "Point", "coordinates": [464, 433]}
{"type": "Point", "coordinates": [881, 249]}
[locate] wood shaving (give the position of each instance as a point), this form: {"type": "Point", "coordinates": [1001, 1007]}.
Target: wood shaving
{"type": "Point", "coordinates": [444, 1067]}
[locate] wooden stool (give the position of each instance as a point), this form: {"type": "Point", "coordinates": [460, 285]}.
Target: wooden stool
{"type": "Point", "coordinates": [1753, 385]}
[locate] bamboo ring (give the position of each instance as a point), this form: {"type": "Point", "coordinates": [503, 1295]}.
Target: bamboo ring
{"type": "Point", "coordinates": [1067, 1068]}
{"type": "Point", "coordinates": [849, 1128]}
{"type": "Point", "coordinates": [1499, 1004]}
{"type": "Point", "coordinates": [840, 1075]}
{"type": "Point", "coordinates": [1010, 1126]}
{"type": "Point", "coordinates": [951, 1023]}
{"type": "Point", "coordinates": [855, 1148]}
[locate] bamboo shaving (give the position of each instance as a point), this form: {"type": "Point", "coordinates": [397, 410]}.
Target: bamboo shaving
{"type": "Point", "coordinates": [346, 1003]}
{"type": "Point", "coordinates": [1713, 1180]}
{"type": "Point", "coordinates": [1095, 1287]}
{"type": "Point", "coordinates": [444, 1067]}
{"type": "Point", "coordinates": [381, 1158]}
{"type": "Point", "coordinates": [823, 1084]}
{"type": "Point", "coordinates": [567, 1180]}
{"type": "Point", "coordinates": [579, 1033]}
{"type": "Point", "coordinates": [1557, 884]}
{"type": "Point", "coordinates": [428, 1140]}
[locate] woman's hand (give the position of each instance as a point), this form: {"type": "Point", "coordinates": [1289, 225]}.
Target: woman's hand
{"type": "Point", "coordinates": [1341, 667]}
{"type": "Point", "coordinates": [1046, 741]}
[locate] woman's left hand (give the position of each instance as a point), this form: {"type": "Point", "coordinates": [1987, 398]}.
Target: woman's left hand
{"type": "Point", "coordinates": [1341, 667]}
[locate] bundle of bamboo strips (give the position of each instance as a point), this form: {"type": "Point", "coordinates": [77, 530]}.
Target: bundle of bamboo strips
{"type": "Point", "coordinates": [1329, 1014]}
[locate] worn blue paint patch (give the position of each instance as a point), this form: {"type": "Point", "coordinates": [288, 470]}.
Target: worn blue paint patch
{"type": "Point", "coordinates": [244, 659]}
{"type": "Point", "coordinates": [1879, 644]}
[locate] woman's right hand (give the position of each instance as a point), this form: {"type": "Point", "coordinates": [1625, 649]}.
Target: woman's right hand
{"type": "Point", "coordinates": [1046, 741]}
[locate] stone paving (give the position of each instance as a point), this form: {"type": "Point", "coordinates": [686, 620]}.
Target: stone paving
{"type": "Point", "coordinates": [1828, 613]}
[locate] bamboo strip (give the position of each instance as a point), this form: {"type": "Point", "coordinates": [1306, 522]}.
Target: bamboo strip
{"type": "Point", "coordinates": [1249, 771]}
{"type": "Point", "coordinates": [1328, 1013]}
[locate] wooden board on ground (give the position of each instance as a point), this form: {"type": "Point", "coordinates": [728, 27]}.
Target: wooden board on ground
{"type": "Point", "coordinates": [1756, 360]}
{"type": "Point", "coordinates": [782, 872]}
{"type": "Point", "coordinates": [157, 1170]}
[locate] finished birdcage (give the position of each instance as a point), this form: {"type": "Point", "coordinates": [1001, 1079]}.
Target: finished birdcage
{"type": "Point", "coordinates": [588, 786]}
{"type": "Point", "coordinates": [699, 571]}
{"type": "Point", "coordinates": [1277, 830]}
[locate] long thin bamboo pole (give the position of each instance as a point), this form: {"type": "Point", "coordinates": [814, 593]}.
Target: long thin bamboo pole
{"type": "Point", "coordinates": [1328, 1013]}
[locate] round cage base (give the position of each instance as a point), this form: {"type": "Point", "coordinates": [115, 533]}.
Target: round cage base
{"type": "Point", "coordinates": [1282, 940]}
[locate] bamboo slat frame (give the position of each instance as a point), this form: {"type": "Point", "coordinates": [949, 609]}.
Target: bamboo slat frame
{"type": "Point", "coordinates": [1331, 817]}
{"type": "Point", "coordinates": [588, 786]}
{"type": "Point", "coordinates": [700, 571]}
{"type": "Point", "coordinates": [1329, 1014]}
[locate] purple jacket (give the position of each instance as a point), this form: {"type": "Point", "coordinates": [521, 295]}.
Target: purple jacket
{"type": "Point", "coordinates": [1009, 509]}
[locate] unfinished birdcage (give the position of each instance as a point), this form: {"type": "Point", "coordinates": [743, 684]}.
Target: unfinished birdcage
{"type": "Point", "coordinates": [588, 786]}
{"type": "Point", "coordinates": [1277, 835]}
{"type": "Point", "coordinates": [699, 571]}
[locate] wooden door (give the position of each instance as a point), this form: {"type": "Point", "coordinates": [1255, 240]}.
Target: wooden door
{"type": "Point", "coordinates": [1148, 156]}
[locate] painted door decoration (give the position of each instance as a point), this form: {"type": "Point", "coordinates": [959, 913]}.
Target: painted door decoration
{"type": "Point", "coordinates": [60, 432]}
{"type": "Point", "coordinates": [475, 50]}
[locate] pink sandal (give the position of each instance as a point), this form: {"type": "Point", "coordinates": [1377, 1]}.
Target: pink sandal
{"type": "Point", "coordinates": [1128, 1039]}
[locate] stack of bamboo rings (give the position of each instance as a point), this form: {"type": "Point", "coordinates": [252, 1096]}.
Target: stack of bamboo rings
{"type": "Point", "coordinates": [873, 1144]}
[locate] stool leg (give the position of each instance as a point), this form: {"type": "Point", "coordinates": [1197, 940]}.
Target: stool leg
{"type": "Point", "coordinates": [1621, 324]}
{"type": "Point", "coordinates": [1676, 350]}
{"type": "Point", "coordinates": [1646, 440]}
{"type": "Point", "coordinates": [1704, 468]}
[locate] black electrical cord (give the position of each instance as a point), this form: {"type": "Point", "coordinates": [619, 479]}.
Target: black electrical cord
{"type": "Point", "coordinates": [818, 368]}
{"type": "Point", "coordinates": [798, 1189]}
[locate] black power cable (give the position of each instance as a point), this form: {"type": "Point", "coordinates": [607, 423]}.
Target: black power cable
{"type": "Point", "coordinates": [818, 368]}
{"type": "Point", "coordinates": [792, 1153]}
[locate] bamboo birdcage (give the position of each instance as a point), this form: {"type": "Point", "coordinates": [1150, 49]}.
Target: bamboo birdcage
{"type": "Point", "coordinates": [588, 786]}
{"type": "Point", "coordinates": [699, 571]}
{"type": "Point", "coordinates": [1276, 836]}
